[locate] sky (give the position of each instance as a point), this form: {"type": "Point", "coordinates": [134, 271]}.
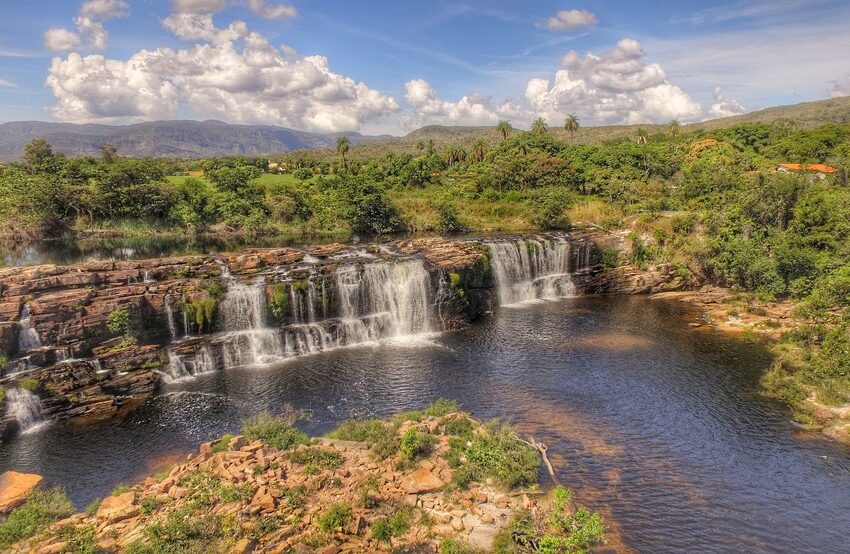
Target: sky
{"type": "Point", "coordinates": [390, 66]}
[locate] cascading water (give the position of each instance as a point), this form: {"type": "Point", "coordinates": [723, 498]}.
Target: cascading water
{"type": "Point", "coordinates": [169, 318]}
{"type": "Point", "coordinates": [27, 335]}
{"type": "Point", "coordinates": [25, 407]}
{"type": "Point", "coordinates": [201, 362]}
{"type": "Point", "coordinates": [531, 269]}
{"type": "Point", "coordinates": [390, 299]}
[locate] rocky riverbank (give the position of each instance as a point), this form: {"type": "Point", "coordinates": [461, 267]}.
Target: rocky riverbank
{"type": "Point", "coordinates": [416, 483]}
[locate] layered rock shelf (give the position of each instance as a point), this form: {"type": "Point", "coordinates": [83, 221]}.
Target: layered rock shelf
{"type": "Point", "coordinates": [92, 340]}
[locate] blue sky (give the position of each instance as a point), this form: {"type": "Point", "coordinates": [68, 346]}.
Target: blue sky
{"type": "Point", "coordinates": [390, 66]}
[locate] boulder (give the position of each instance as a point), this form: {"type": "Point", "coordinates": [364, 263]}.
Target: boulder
{"type": "Point", "coordinates": [116, 508]}
{"type": "Point", "coordinates": [421, 480]}
{"type": "Point", "coordinates": [15, 487]}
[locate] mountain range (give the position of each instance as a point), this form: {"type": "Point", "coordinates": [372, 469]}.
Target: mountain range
{"type": "Point", "coordinates": [200, 139]}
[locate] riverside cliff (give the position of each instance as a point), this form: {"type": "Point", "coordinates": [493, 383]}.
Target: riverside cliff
{"type": "Point", "coordinates": [93, 340]}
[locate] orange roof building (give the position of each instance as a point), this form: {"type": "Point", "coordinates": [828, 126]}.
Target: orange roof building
{"type": "Point", "coordinates": [817, 168]}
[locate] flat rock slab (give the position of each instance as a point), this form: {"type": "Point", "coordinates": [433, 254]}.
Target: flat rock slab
{"type": "Point", "coordinates": [421, 480]}
{"type": "Point", "coordinates": [15, 487]}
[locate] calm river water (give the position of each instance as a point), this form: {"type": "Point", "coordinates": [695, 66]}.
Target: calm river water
{"type": "Point", "coordinates": [655, 423]}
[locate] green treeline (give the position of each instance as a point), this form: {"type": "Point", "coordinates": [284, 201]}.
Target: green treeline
{"type": "Point", "coordinates": [711, 202]}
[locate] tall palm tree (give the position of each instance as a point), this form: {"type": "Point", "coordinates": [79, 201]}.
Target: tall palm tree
{"type": "Point", "coordinates": [478, 150]}
{"type": "Point", "coordinates": [571, 124]}
{"type": "Point", "coordinates": [674, 127]}
{"type": "Point", "coordinates": [342, 146]}
{"type": "Point", "coordinates": [504, 128]}
{"type": "Point", "coordinates": [455, 154]}
{"type": "Point", "coordinates": [522, 149]}
{"type": "Point", "coordinates": [641, 137]}
{"type": "Point", "coordinates": [539, 126]}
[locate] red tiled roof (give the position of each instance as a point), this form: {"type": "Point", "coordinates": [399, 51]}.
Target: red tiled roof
{"type": "Point", "coordinates": [820, 168]}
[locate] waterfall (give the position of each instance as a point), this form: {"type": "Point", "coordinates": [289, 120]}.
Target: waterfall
{"type": "Point", "coordinates": [169, 318]}
{"type": "Point", "coordinates": [373, 301]}
{"type": "Point", "coordinates": [180, 367]}
{"type": "Point", "coordinates": [393, 295]}
{"type": "Point", "coordinates": [27, 335]}
{"type": "Point", "coordinates": [244, 307]}
{"type": "Point", "coordinates": [25, 407]}
{"type": "Point", "coordinates": [531, 269]}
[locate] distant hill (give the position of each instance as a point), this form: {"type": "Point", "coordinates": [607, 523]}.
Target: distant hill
{"type": "Point", "coordinates": [188, 139]}
{"type": "Point", "coordinates": [199, 139]}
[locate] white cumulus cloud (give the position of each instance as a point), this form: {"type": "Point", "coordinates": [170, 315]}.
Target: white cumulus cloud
{"type": "Point", "coordinates": [234, 74]}
{"type": "Point", "coordinates": [616, 86]}
{"type": "Point", "coordinates": [474, 109]}
{"type": "Point", "coordinates": [567, 20]}
{"type": "Point", "coordinates": [90, 32]}
{"type": "Point", "coordinates": [724, 106]}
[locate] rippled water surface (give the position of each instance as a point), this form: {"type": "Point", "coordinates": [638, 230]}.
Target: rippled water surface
{"type": "Point", "coordinates": [653, 422]}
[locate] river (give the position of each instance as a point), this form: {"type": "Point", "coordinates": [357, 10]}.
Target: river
{"type": "Point", "coordinates": [655, 422]}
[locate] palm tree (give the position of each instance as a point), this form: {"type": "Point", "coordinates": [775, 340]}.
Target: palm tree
{"type": "Point", "coordinates": [478, 150]}
{"type": "Point", "coordinates": [571, 124]}
{"type": "Point", "coordinates": [431, 146]}
{"type": "Point", "coordinates": [522, 149]}
{"type": "Point", "coordinates": [539, 126]}
{"type": "Point", "coordinates": [342, 146]}
{"type": "Point", "coordinates": [674, 127]}
{"type": "Point", "coordinates": [455, 154]}
{"type": "Point", "coordinates": [504, 128]}
{"type": "Point", "coordinates": [642, 136]}
{"type": "Point", "coordinates": [420, 145]}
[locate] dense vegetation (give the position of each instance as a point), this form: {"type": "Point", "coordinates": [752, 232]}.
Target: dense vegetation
{"type": "Point", "coordinates": [709, 201]}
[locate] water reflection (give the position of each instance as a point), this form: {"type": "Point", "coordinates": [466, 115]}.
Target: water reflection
{"type": "Point", "coordinates": [657, 425]}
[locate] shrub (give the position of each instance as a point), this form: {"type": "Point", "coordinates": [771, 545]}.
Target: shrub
{"type": "Point", "coordinates": [610, 258]}
{"type": "Point", "coordinates": [452, 546]}
{"type": "Point", "coordinates": [415, 443]}
{"type": "Point", "coordinates": [79, 539]}
{"type": "Point", "coordinates": [41, 509]}
{"type": "Point", "coordinates": [441, 407]}
{"type": "Point", "coordinates": [395, 525]}
{"type": "Point", "coordinates": [335, 518]}
{"type": "Point", "coordinates": [223, 444]}
{"type": "Point", "coordinates": [327, 459]}
{"type": "Point", "coordinates": [495, 453]}
{"type": "Point", "coordinates": [30, 383]}
{"type": "Point", "coordinates": [273, 432]}
{"type": "Point", "coordinates": [279, 302]}
{"type": "Point", "coordinates": [555, 530]}
{"type": "Point", "coordinates": [381, 435]}
{"type": "Point", "coordinates": [118, 322]}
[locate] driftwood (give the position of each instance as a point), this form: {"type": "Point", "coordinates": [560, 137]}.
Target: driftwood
{"type": "Point", "coordinates": [542, 448]}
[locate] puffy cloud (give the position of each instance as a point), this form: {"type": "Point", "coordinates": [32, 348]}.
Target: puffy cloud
{"type": "Point", "coordinates": [58, 39]}
{"type": "Point", "coordinates": [7, 83]}
{"type": "Point", "coordinates": [616, 86]}
{"type": "Point", "coordinates": [271, 12]}
{"type": "Point", "coordinates": [90, 31]}
{"type": "Point", "coordinates": [567, 20]}
{"type": "Point", "coordinates": [93, 88]}
{"type": "Point", "coordinates": [244, 81]}
{"type": "Point", "coordinates": [840, 88]}
{"type": "Point", "coordinates": [724, 106]}
{"type": "Point", "coordinates": [429, 109]}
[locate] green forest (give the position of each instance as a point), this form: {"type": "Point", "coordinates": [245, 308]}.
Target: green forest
{"type": "Point", "coordinates": [709, 201]}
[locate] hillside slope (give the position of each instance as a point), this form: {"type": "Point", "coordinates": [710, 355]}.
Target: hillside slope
{"type": "Point", "coordinates": [190, 139]}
